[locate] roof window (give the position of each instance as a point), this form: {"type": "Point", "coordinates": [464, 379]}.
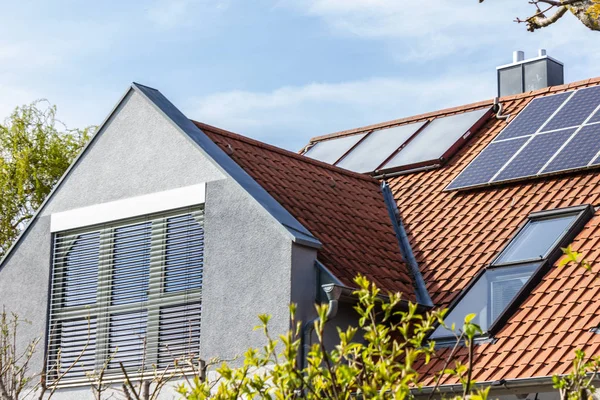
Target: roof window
{"type": "Point", "coordinates": [405, 147]}
{"type": "Point", "coordinates": [502, 285]}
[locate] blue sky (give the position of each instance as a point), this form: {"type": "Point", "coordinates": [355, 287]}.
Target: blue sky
{"type": "Point", "coordinates": [279, 71]}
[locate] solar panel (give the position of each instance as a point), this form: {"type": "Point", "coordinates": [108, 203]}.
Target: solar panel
{"type": "Point", "coordinates": [330, 151]}
{"type": "Point", "coordinates": [532, 157]}
{"type": "Point", "coordinates": [487, 163]}
{"type": "Point", "coordinates": [576, 110]}
{"type": "Point", "coordinates": [554, 133]}
{"type": "Point", "coordinates": [533, 116]}
{"type": "Point", "coordinates": [437, 139]}
{"type": "Point", "coordinates": [596, 117]}
{"type": "Point", "coordinates": [580, 151]}
{"type": "Point", "coordinates": [377, 147]}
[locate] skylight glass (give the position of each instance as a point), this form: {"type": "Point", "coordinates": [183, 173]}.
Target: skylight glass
{"type": "Point", "coordinates": [488, 297]}
{"type": "Point", "coordinates": [377, 147]}
{"type": "Point", "coordinates": [536, 239]}
{"type": "Point", "coordinates": [437, 139]}
{"type": "Point", "coordinates": [330, 151]}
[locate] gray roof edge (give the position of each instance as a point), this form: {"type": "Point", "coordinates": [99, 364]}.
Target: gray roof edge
{"type": "Point", "coordinates": [334, 278]}
{"type": "Point", "coordinates": [289, 223]}
{"type": "Point", "coordinates": [37, 213]}
{"type": "Point", "coordinates": [420, 286]}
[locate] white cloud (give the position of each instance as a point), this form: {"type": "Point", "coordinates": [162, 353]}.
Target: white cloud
{"type": "Point", "coordinates": [289, 116]}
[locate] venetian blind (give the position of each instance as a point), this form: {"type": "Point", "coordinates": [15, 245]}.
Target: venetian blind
{"type": "Point", "coordinates": [129, 292]}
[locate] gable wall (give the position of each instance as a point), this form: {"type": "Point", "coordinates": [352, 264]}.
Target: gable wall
{"type": "Point", "coordinates": [140, 152]}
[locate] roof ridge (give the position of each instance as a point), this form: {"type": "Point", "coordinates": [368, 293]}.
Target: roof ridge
{"type": "Point", "coordinates": [284, 152]}
{"type": "Point", "coordinates": [456, 109]}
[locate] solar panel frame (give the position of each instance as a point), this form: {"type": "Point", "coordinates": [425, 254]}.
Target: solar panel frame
{"type": "Point", "coordinates": [595, 118]}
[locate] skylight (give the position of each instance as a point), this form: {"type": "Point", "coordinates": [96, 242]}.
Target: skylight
{"type": "Point", "coordinates": [534, 248]}
{"type": "Point", "coordinates": [555, 133]}
{"type": "Point", "coordinates": [377, 147]}
{"type": "Point", "coordinates": [402, 147]}
{"type": "Point", "coordinates": [439, 140]}
{"type": "Point", "coordinates": [331, 150]}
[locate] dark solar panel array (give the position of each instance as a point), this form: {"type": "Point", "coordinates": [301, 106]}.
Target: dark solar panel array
{"type": "Point", "coordinates": [580, 150]}
{"type": "Point", "coordinates": [533, 116]}
{"type": "Point", "coordinates": [487, 163]}
{"type": "Point", "coordinates": [576, 110]}
{"type": "Point", "coordinates": [554, 133]}
{"type": "Point", "coordinates": [534, 156]}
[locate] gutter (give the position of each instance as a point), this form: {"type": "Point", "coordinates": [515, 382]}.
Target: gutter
{"type": "Point", "coordinates": [406, 172]}
{"type": "Point", "coordinates": [421, 292]}
{"type": "Point", "coordinates": [499, 387]}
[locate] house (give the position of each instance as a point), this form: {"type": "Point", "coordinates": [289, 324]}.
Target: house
{"type": "Point", "coordinates": [168, 235]}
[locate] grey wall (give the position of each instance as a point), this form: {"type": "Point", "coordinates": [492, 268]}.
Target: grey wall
{"type": "Point", "coordinates": [249, 257]}
{"type": "Point", "coordinates": [304, 278]}
{"type": "Point", "coordinates": [252, 266]}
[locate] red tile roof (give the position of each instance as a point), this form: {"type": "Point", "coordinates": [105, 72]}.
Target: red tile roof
{"type": "Point", "coordinates": [342, 209]}
{"type": "Point", "coordinates": [455, 234]}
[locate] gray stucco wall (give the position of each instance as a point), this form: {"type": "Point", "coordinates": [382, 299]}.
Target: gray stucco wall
{"type": "Point", "coordinates": [304, 278]}
{"type": "Point", "coordinates": [248, 256]}
{"type": "Point", "coordinates": [252, 268]}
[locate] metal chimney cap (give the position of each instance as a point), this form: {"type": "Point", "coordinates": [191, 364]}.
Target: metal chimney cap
{"type": "Point", "coordinates": [518, 56]}
{"type": "Point", "coordinates": [541, 52]}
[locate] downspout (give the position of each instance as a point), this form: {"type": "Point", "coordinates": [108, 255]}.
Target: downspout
{"type": "Point", "coordinates": [333, 293]}
{"type": "Point", "coordinates": [421, 292]}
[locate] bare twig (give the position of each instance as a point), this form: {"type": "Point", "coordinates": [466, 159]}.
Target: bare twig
{"type": "Point", "coordinates": [450, 358]}
{"type": "Point", "coordinates": [467, 387]}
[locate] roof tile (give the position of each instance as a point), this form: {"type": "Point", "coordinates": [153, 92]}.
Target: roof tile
{"type": "Point", "coordinates": [342, 209]}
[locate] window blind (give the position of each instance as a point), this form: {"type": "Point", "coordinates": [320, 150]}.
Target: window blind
{"type": "Point", "coordinates": [503, 291]}
{"type": "Point", "coordinates": [129, 291]}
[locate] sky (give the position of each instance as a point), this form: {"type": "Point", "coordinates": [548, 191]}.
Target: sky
{"type": "Point", "coordinates": [280, 71]}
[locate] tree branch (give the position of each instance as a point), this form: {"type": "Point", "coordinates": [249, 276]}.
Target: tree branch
{"type": "Point", "coordinates": [538, 22]}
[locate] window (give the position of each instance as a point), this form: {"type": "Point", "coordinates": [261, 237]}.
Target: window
{"type": "Point", "coordinates": [534, 248]}
{"type": "Point", "coordinates": [132, 290]}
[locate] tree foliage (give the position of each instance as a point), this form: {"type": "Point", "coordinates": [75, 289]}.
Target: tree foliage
{"type": "Point", "coordinates": [375, 360]}
{"type": "Point", "coordinates": [547, 12]}
{"type": "Point", "coordinates": [35, 150]}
